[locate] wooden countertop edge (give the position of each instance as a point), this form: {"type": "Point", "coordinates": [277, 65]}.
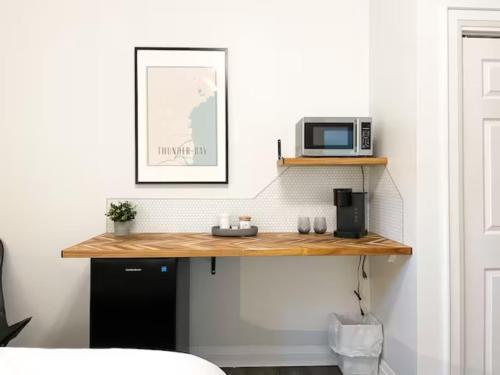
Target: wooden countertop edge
{"type": "Point", "coordinates": [108, 246]}
{"type": "Point", "coordinates": [333, 161]}
{"type": "Point", "coordinates": [77, 252]}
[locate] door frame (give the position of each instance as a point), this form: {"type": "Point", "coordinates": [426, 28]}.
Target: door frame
{"type": "Point", "coordinates": [482, 22]}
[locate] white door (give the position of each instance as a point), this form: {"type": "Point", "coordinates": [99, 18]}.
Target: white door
{"type": "Point", "coordinates": [481, 115]}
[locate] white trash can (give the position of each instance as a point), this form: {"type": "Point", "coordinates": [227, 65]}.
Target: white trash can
{"type": "Point", "coordinates": [358, 342]}
{"type": "Point", "coordinates": [358, 365]}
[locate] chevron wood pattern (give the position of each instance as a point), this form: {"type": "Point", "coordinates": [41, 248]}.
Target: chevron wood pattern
{"type": "Point", "coordinates": [191, 245]}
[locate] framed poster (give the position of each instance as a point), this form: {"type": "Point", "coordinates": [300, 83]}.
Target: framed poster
{"type": "Point", "coordinates": [181, 115]}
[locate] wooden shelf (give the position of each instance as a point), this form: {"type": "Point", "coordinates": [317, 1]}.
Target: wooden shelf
{"type": "Point", "coordinates": [369, 160]}
{"type": "Point", "coordinates": [190, 245]}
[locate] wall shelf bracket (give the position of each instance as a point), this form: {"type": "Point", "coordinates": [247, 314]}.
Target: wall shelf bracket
{"type": "Point", "coordinates": [213, 265]}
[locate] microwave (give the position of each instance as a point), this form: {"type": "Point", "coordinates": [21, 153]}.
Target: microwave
{"type": "Point", "coordinates": [334, 136]}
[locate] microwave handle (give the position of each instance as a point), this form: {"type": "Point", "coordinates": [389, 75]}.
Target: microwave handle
{"type": "Point", "coordinates": [355, 134]}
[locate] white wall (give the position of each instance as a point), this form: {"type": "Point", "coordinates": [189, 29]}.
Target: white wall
{"type": "Point", "coordinates": [66, 107]}
{"type": "Point", "coordinates": [432, 231]}
{"type": "Point", "coordinates": [393, 105]}
{"type": "Point", "coordinates": [286, 59]}
{"type": "Point", "coordinates": [427, 63]}
{"type": "Point", "coordinates": [432, 164]}
{"type": "Point", "coordinates": [51, 190]}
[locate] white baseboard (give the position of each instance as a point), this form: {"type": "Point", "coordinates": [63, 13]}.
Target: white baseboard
{"type": "Point", "coordinates": [266, 355]}
{"type": "Point", "coordinates": [385, 369]}
{"type": "Point", "coordinates": [252, 356]}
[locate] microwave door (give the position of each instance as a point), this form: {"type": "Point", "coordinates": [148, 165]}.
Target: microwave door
{"type": "Point", "coordinates": [330, 138]}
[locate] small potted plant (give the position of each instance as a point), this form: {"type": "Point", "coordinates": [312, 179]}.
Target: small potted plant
{"type": "Point", "coordinates": [122, 214]}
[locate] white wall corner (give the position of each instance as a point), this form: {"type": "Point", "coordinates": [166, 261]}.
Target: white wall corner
{"type": "Point", "coordinates": [385, 369]}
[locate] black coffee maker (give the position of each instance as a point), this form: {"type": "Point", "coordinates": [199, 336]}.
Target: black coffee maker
{"type": "Point", "coordinates": [350, 213]}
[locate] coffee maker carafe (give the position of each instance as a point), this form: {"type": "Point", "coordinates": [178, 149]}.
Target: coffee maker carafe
{"type": "Point", "coordinates": [350, 213]}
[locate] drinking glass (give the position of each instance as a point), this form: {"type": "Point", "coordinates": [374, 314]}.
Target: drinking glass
{"type": "Point", "coordinates": [320, 224]}
{"type": "Point", "coordinates": [304, 225]}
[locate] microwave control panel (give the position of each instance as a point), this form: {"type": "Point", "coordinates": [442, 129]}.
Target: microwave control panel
{"type": "Point", "coordinates": [366, 136]}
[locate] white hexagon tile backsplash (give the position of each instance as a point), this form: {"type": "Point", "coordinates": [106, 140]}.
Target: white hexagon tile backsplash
{"type": "Point", "coordinates": [298, 191]}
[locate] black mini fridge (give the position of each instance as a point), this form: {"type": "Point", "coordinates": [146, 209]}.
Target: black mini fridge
{"type": "Point", "coordinates": [139, 303]}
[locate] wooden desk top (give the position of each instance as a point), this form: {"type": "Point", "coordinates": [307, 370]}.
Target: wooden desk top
{"type": "Point", "coordinates": [191, 245]}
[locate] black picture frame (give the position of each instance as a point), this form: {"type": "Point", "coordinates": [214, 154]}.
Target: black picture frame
{"type": "Point", "coordinates": [138, 181]}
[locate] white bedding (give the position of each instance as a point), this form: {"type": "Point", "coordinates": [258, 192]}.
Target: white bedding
{"type": "Point", "coordinates": [24, 361]}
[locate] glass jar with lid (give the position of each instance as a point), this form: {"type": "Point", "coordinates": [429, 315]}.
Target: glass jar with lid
{"type": "Point", "coordinates": [245, 222]}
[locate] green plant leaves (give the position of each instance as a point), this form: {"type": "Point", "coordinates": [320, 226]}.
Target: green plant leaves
{"type": "Point", "coordinates": [121, 211]}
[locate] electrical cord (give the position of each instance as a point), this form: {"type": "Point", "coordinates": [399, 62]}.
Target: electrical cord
{"type": "Point", "coordinates": [357, 291]}
{"type": "Point", "coordinates": [365, 276]}
{"type": "Point", "coordinates": [361, 271]}
{"type": "Point", "coordinates": [363, 177]}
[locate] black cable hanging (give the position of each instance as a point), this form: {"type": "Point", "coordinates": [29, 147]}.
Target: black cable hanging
{"type": "Point", "coordinates": [361, 271]}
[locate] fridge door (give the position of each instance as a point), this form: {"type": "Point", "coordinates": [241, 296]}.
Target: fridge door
{"type": "Point", "coordinates": [133, 303]}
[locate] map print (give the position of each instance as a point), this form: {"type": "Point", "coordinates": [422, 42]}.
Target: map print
{"type": "Point", "coordinates": [182, 116]}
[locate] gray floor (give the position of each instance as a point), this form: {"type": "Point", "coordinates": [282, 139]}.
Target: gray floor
{"type": "Point", "coordinates": [306, 370]}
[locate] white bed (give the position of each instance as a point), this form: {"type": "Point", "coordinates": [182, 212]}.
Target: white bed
{"type": "Point", "coordinates": [24, 361]}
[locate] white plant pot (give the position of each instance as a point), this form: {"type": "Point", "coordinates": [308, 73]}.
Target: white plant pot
{"type": "Point", "coordinates": [122, 228]}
